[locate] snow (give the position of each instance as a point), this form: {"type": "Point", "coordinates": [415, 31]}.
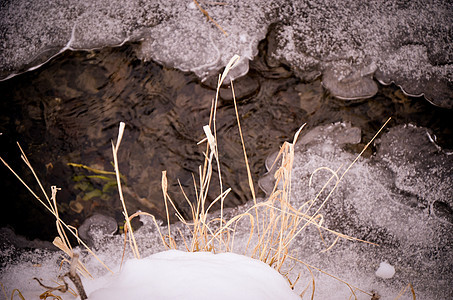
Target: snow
{"type": "Point", "coordinates": [200, 275]}
{"type": "Point", "coordinates": [385, 270]}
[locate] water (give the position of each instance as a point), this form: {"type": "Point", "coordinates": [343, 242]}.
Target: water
{"type": "Point", "coordinates": [68, 111]}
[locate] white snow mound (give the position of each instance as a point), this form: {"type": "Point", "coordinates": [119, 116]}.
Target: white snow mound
{"type": "Point", "coordinates": [385, 270]}
{"type": "Point", "coordinates": [199, 275]}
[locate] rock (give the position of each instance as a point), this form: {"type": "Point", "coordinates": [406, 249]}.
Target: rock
{"type": "Point", "coordinates": [96, 227]}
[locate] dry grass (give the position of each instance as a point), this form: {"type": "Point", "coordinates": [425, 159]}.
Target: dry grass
{"type": "Point", "coordinates": [274, 222]}
{"type": "Point", "coordinates": [209, 17]}
{"type": "Point", "coordinates": [62, 241]}
{"type": "Point", "coordinates": [115, 148]}
{"type": "Point", "coordinates": [19, 294]}
{"type": "Point", "coordinates": [403, 291]}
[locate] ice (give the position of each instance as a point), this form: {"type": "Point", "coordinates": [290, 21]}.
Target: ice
{"type": "Point", "coordinates": [20, 269]}
{"type": "Point", "coordinates": [348, 43]}
{"type": "Point", "coordinates": [173, 33]}
{"type": "Point", "coordinates": [409, 43]}
{"type": "Point", "coordinates": [355, 85]}
{"type": "Point", "coordinates": [386, 199]}
{"type": "Point", "coordinates": [409, 157]}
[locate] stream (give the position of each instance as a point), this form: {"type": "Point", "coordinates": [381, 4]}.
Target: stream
{"type": "Point", "coordinates": [65, 114]}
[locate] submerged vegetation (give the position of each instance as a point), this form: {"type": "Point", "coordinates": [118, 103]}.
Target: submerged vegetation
{"type": "Point", "coordinates": [274, 223]}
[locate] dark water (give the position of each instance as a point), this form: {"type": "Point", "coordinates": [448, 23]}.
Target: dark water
{"type": "Point", "coordinates": [69, 110]}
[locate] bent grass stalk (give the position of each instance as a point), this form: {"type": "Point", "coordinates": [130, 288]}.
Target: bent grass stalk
{"type": "Point", "coordinates": [403, 291]}
{"type": "Point", "coordinates": [209, 17]}
{"type": "Point", "coordinates": [115, 148]}
{"type": "Point", "coordinates": [19, 294]}
{"type": "Point", "coordinates": [350, 286]}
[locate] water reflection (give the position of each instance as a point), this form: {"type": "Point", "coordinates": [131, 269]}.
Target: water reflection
{"type": "Point", "coordinates": [68, 111]}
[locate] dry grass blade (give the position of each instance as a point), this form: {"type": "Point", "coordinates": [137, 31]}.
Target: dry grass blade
{"type": "Point", "coordinates": [312, 281]}
{"type": "Point", "coordinates": [334, 175]}
{"type": "Point", "coordinates": [126, 228]}
{"type": "Point", "coordinates": [209, 17]}
{"type": "Point", "coordinates": [403, 291]}
{"type": "Point", "coordinates": [350, 286]}
{"type": "Point", "coordinates": [27, 162]}
{"type": "Point", "coordinates": [164, 191]}
{"type": "Point", "coordinates": [115, 148]}
{"type": "Point", "coordinates": [18, 293]}
{"type": "Point", "coordinates": [4, 290]}
{"type": "Point", "coordinates": [192, 209]}
{"type": "Point", "coordinates": [249, 173]}
{"type": "Point", "coordinates": [339, 180]}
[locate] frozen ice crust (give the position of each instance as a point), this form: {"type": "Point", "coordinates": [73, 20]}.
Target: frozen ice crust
{"type": "Point", "coordinates": [349, 43]}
